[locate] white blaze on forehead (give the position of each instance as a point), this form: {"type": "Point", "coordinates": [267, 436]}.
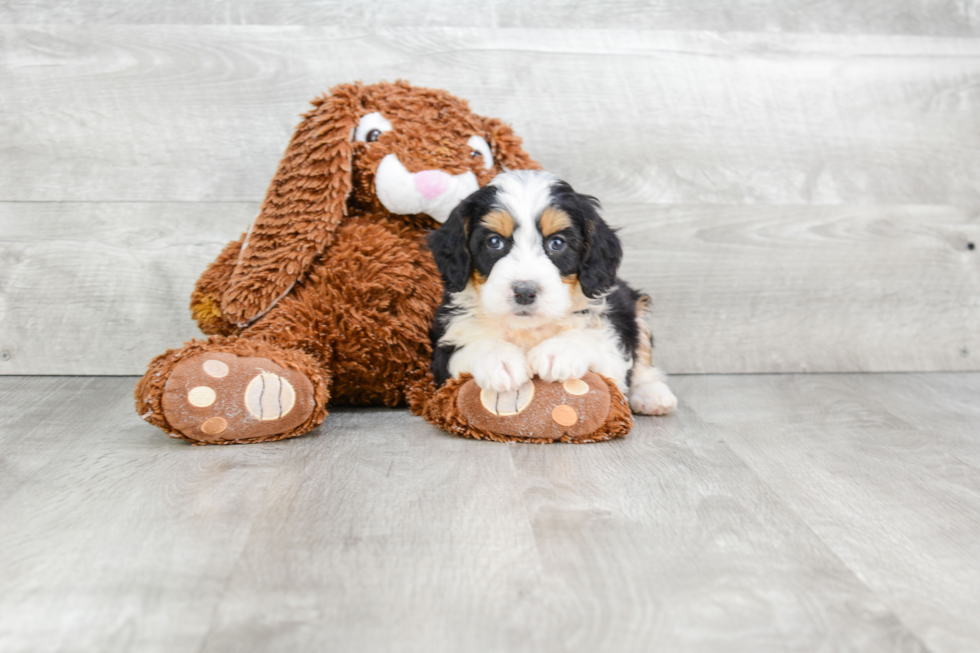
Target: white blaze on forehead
{"type": "Point", "coordinates": [405, 193]}
{"type": "Point", "coordinates": [525, 194]}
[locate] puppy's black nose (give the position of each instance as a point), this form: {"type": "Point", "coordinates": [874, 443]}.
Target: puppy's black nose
{"type": "Point", "coordinates": [525, 292]}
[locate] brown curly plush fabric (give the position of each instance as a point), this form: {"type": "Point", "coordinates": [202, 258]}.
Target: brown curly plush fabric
{"type": "Point", "coordinates": [327, 281]}
{"type": "Point", "coordinates": [325, 176]}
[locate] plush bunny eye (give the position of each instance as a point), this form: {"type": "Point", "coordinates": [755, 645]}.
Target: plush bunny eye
{"type": "Point", "coordinates": [371, 126]}
{"type": "Point", "coordinates": [479, 147]}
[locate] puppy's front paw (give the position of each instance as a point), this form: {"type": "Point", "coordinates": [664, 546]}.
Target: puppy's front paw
{"type": "Point", "coordinates": [556, 360]}
{"type": "Point", "coordinates": [502, 369]}
{"type": "Point", "coordinates": [652, 398]}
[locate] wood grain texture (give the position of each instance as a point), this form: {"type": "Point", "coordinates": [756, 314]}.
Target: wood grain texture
{"type": "Point", "coordinates": [426, 544]}
{"type": "Point", "coordinates": [707, 558]}
{"type": "Point", "coordinates": [884, 470]}
{"type": "Point", "coordinates": [101, 288]}
{"type": "Point", "coordinates": [770, 513]}
{"type": "Point", "coordinates": [198, 113]}
{"type": "Point", "coordinates": [793, 202]}
{"type": "Point", "coordinates": [938, 17]}
{"type": "Point", "coordinates": [89, 561]}
{"type": "Point", "coordinates": [806, 288]}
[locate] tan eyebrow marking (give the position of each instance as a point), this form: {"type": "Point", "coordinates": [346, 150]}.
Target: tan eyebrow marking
{"type": "Point", "coordinates": [553, 220]}
{"type": "Point", "coordinates": [500, 221]}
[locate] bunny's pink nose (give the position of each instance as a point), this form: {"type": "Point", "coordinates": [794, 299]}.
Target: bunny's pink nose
{"type": "Point", "coordinates": [432, 183]}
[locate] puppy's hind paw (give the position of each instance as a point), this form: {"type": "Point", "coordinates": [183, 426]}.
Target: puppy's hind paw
{"type": "Point", "coordinates": [652, 398]}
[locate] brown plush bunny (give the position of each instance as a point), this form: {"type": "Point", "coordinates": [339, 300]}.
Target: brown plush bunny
{"type": "Point", "coordinates": [330, 294]}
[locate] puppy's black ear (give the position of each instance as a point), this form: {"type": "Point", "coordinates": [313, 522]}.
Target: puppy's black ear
{"type": "Point", "coordinates": [603, 252]}
{"type": "Point", "coordinates": [451, 249]}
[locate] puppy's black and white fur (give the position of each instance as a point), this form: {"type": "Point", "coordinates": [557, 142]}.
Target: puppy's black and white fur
{"type": "Point", "coordinates": [530, 289]}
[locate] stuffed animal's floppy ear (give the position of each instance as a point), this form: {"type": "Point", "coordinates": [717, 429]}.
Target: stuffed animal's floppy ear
{"type": "Point", "coordinates": [506, 147]}
{"type": "Point", "coordinates": [301, 210]}
{"type": "Point", "coordinates": [451, 248]}
{"type": "Point", "coordinates": [603, 251]}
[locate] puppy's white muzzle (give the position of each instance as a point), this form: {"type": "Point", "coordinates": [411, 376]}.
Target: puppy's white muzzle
{"type": "Point", "coordinates": [527, 286]}
{"type": "Point", "coordinates": [432, 192]}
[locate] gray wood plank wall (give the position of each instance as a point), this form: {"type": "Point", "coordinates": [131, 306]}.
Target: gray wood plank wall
{"type": "Point", "coordinates": [925, 17]}
{"type": "Point", "coordinates": [796, 181]}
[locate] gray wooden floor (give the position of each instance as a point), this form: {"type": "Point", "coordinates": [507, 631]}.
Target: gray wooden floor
{"type": "Point", "coordinates": [771, 513]}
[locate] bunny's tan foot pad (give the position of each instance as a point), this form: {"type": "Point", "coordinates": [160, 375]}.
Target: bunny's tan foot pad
{"type": "Point", "coordinates": [570, 411]}
{"type": "Point", "coordinates": [221, 397]}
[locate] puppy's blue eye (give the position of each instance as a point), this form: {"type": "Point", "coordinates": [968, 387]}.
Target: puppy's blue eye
{"type": "Point", "coordinates": [495, 242]}
{"type": "Point", "coordinates": [556, 244]}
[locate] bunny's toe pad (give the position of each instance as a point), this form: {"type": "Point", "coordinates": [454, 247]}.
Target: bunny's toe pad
{"type": "Point", "coordinates": [541, 410]}
{"type": "Point", "coordinates": [221, 397]}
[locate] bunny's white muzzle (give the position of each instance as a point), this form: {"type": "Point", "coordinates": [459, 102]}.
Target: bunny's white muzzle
{"type": "Point", "coordinates": [433, 192]}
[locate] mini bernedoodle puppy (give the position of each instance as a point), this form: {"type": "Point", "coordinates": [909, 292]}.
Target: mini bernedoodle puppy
{"type": "Point", "coordinates": [531, 289]}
